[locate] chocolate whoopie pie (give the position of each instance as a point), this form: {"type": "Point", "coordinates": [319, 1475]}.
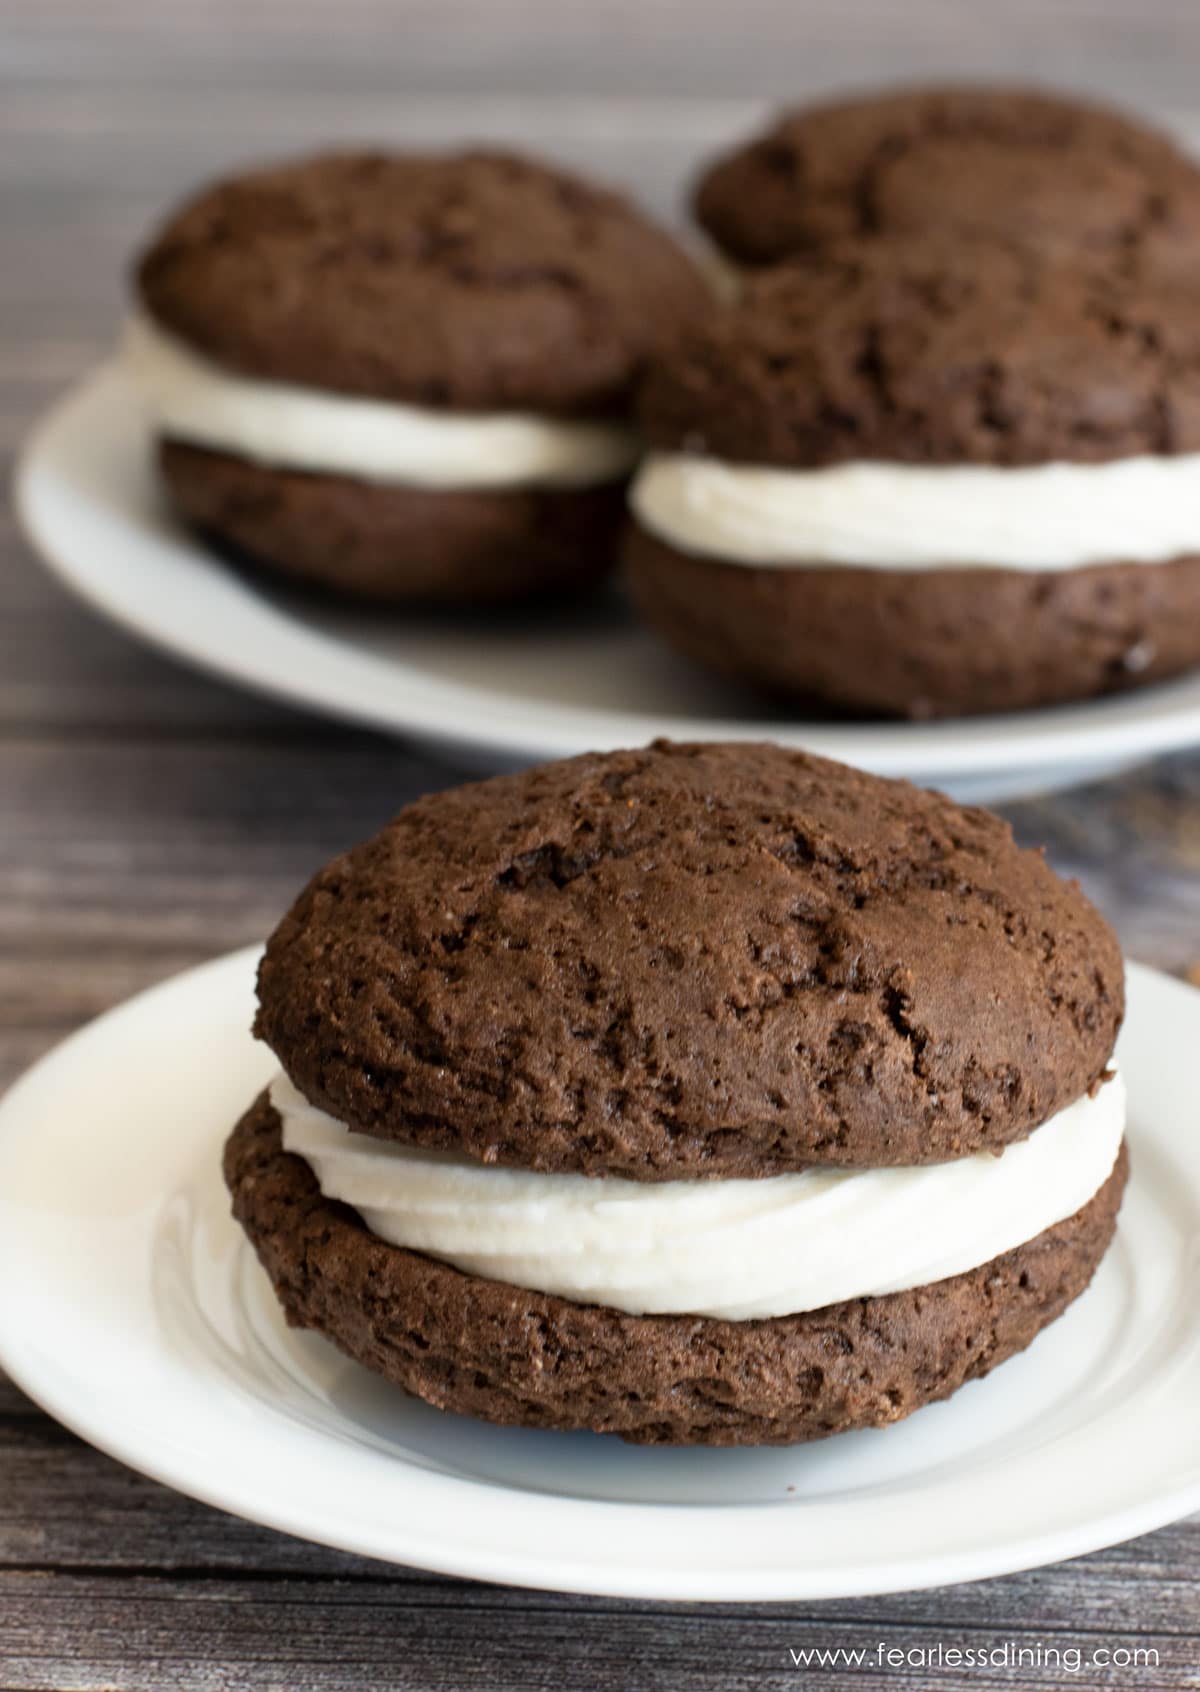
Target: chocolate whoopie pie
{"type": "Point", "coordinates": [405, 377]}
{"type": "Point", "coordinates": [1054, 172]}
{"type": "Point", "coordinates": [699, 1094]}
{"type": "Point", "coordinates": [928, 478]}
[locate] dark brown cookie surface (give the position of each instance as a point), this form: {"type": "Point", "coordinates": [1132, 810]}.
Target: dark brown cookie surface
{"type": "Point", "coordinates": [922, 643]}
{"type": "Point", "coordinates": [692, 960]}
{"type": "Point", "coordinates": [933, 352]}
{"type": "Point", "coordinates": [487, 1349]}
{"type": "Point", "coordinates": [476, 281]}
{"type": "Point", "coordinates": [1054, 172]}
{"type": "Point", "coordinates": [396, 544]}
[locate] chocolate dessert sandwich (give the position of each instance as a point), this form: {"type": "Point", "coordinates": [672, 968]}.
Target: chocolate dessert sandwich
{"type": "Point", "coordinates": [925, 477]}
{"type": "Point", "coordinates": [699, 1094]}
{"type": "Point", "coordinates": [405, 377]}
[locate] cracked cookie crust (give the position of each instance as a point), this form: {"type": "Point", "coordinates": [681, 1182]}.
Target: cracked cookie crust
{"type": "Point", "coordinates": [932, 352]}
{"type": "Point", "coordinates": [472, 281]}
{"type": "Point", "coordinates": [1056, 173]}
{"type": "Point", "coordinates": [692, 961]}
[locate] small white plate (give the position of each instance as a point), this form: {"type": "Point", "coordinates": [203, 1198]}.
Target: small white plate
{"type": "Point", "coordinates": [133, 1310]}
{"type": "Point", "coordinates": [516, 688]}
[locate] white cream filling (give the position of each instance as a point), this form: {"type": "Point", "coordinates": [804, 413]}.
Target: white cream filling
{"type": "Point", "coordinates": [913, 517]}
{"type": "Point", "coordinates": [275, 423]}
{"type": "Point", "coordinates": [736, 1249]}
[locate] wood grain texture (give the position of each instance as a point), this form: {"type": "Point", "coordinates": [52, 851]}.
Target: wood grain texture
{"type": "Point", "coordinates": [150, 818]}
{"type": "Point", "coordinates": [107, 1580]}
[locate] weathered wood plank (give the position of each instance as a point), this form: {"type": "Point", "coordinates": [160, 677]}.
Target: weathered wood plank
{"type": "Point", "coordinates": [58, 1630]}
{"type": "Point", "coordinates": [660, 47]}
{"type": "Point", "coordinates": [121, 863]}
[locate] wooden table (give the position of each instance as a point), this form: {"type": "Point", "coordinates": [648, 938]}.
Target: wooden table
{"type": "Point", "coordinates": [149, 819]}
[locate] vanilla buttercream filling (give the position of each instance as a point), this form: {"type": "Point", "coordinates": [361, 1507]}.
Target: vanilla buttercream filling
{"type": "Point", "coordinates": [1055, 516]}
{"type": "Point", "coordinates": [192, 399]}
{"type": "Point", "coordinates": [740, 1249]}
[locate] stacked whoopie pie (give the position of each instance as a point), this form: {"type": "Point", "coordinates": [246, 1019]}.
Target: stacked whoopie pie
{"type": "Point", "coordinates": [943, 456]}
{"type": "Point", "coordinates": [928, 476]}
{"type": "Point", "coordinates": [712, 1094]}
{"type": "Point", "coordinates": [405, 377]}
{"type": "Point", "coordinates": [1055, 173]}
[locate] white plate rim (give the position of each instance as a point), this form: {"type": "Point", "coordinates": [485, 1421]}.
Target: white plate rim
{"type": "Point", "coordinates": [559, 1568]}
{"type": "Point", "coordinates": [297, 664]}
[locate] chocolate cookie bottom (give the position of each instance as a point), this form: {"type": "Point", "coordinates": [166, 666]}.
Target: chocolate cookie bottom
{"type": "Point", "coordinates": [383, 541]}
{"type": "Point", "coordinates": [923, 643]}
{"type": "Point", "coordinates": [484, 1348]}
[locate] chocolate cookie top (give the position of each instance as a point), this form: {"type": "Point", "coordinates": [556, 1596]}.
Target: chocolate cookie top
{"type": "Point", "coordinates": [477, 281]}
{"type": "Point", "coordinates": [684, 961]}
{"type": "Point", "coordinates": [1057, 173]}
{"type": "Point", "coordinates": [933, 352]}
